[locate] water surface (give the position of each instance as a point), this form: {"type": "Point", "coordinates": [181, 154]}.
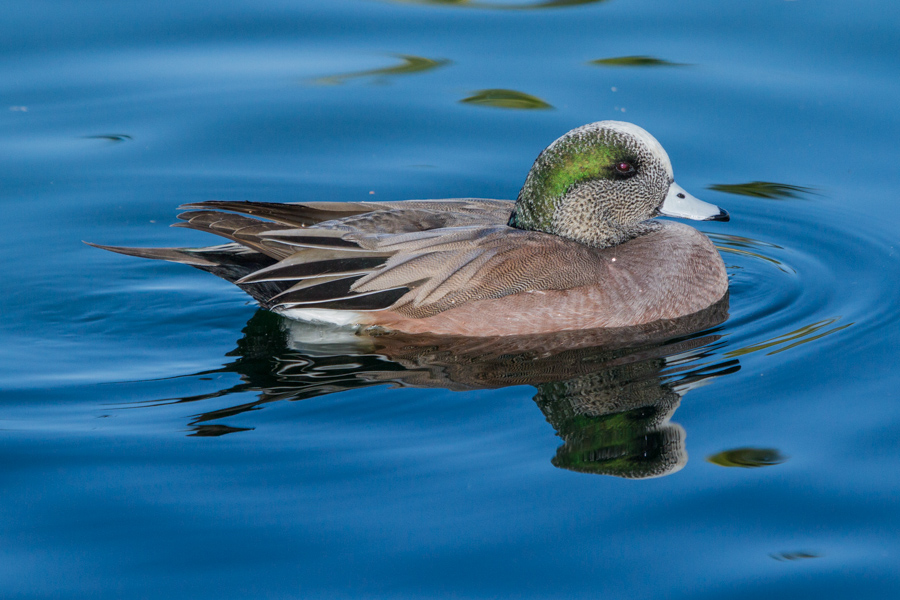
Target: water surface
{"type": "Point", "coordinates": [162, 437]}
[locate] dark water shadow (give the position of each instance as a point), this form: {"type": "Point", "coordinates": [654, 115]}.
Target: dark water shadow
{"type": "Point", "coordinates": [500, 98]}
{"type": "Point", "coordinates": [609, 394]}
{"type": "Point", "coordinates": [635, 61]}
{"type": "Point", "coordinates": [748, 458]}
{"type": "Point", "coordinates": [534, 5]}
{"type": "Point", "coordinates": [795, 555]}
{"type": "Point", "coordinates": [115, 138]}
{"type": "Point", "coordinates": [409, 65]}
{"type": "Point", "coordinates": [764, 189]}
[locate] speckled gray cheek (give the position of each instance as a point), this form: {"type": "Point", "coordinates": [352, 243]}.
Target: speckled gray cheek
{"type": "Point", "coordinates": [620, 217]}
{"type": "Point", "coordinates": [603, 212]}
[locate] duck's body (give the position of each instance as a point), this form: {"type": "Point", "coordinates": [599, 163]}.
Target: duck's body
{"type": "Point", "coordinates": [611, 287]}
{"type": "Point", "coordinates": [481, 267]}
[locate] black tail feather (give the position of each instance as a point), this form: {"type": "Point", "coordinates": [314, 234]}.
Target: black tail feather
{"type": "Point", "coordinates": [296, 215]}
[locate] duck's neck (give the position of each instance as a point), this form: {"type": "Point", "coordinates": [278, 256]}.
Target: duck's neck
{"type": "Point", "coordinates": [581, 218]}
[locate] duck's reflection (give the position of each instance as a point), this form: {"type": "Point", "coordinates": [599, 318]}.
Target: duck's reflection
{"type": "Point", "coordinates": [609, 394]}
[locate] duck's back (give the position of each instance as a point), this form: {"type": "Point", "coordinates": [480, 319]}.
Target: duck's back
{"type": "Point", "coordinates": [447, 266]}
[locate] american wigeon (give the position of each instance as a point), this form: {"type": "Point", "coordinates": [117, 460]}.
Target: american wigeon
{"type": "Point", "coordinates": [579, 249]}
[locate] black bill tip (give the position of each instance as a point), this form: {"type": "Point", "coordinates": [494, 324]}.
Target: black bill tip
{"type": "Point", "coordinates": [722, 216]}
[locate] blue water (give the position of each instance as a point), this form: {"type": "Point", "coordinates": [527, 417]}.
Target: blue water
{"type": "Point", "coordinates": [162, 438]}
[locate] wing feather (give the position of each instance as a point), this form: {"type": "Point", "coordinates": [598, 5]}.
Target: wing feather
{"type": "Point", "coordinates": [456, 276]}
{"type": "Point", "coordinates": [417, 257]}
{"type": "Point", "coordinates": [293, 214]}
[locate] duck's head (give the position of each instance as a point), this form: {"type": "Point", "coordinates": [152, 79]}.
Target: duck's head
{"type": "Point", "coordinates": [598, 183]}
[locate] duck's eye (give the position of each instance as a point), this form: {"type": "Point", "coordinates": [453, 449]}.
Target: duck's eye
{"type": "Point", "coordinates": [624, 168]}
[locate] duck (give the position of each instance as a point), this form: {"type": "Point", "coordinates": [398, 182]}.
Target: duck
{"type": "Point", "coordinates": [581, 248]}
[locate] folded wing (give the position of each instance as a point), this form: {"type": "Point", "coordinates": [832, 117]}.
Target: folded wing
{"type": "Point", "coordinates": [418, 258]}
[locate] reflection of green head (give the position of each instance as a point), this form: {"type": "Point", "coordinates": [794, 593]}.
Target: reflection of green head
{"type": "Point", "coordinates": [595, 184]}
{"type": "Point", "coordinates": [615, 422]}
{"type": "Point", "coordinates": [647, 454]}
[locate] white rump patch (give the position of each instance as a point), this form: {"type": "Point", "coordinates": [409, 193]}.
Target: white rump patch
{"type": "Point", "coordinates": [341, 318]}
{"type": "Point", "coordinates": [325, 338]}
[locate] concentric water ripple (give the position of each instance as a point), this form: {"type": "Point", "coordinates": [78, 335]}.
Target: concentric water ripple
{"type": "Point", "coordinates": [793, 285]}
